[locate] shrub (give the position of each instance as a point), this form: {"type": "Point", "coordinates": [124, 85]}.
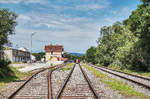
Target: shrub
{"type": "Point", "coordinates": [4, 68]}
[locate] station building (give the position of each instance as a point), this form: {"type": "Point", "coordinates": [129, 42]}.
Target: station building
{"type": "Point", "coordinates": [53, 52]}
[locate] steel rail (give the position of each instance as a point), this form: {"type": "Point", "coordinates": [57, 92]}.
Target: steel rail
{"type": "Point", "coordinates": [29, 79]}
{"type": "Point", "coordinates": [139, 83]}
{"type": "Point", "coordinates": [142, 77]}
{"type": "Point", "coordinates": [65, 83]}
{"type": "Point", "coordinates": [50, 96]}
{"type": "Point", "coordinates": [89, 83]}
{"type": "Point", "coordinates": [49, 85]}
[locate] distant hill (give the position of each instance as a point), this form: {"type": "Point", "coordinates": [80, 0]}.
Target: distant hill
{"type": "Point", "coordinates": [77, 54]}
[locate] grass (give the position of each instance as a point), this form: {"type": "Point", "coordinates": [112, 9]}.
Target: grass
{"type": "Point", "coordinates": [19, 67]}
{"type": "Point", "coordinates": [15, 76]}
{"type": "Point", "coordinates": [18, 63]}
{"type": "Point", "coordinates": [147, 74]}
{"type": "Point", "coordinates": [130, 71]}
{"type": "Point", "coordinates": [67, 67]}
{"type": "Point", "coordinates": [115, 84]}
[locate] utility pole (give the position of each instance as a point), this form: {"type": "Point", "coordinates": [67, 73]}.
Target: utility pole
{"type": "Point", "coordinates": [31, 41]}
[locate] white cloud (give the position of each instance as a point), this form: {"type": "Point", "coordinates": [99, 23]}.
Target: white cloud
{"type": "Point", "coordinates": [125, 11]}
{"type": "Point", "coordinates": [54, 21]}
{"type": "Point", "coordinates": [118, 15]}
{"type": "Point", "coordinates": [58, 28]}
{"type": "Point", "coordinates": [90, 6]}
{"type": "Point", "coordinates": [81, 40]}
{"type": "Point", "coordinates": [22, 1]}
{"type": "Point", "coordinates": [79, 31]}
{"type": "Point", "coordinates": [10, 1]}
{"type": "Point", "coordinates": [23, 19]}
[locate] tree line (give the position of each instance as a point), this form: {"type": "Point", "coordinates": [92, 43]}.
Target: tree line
{"type": "Point", "coordinates": [125, 44]}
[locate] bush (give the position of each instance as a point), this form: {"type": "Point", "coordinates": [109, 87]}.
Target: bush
{"type": "Point", "coordinates": [4, 68]}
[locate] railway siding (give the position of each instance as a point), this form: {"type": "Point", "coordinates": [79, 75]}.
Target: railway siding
{"type": "Point", "coordinates": [124, 87]}
{"type": "Point", "coordinates": [137, 85]}
{"type": "Point", "coordinates": [142, 80]}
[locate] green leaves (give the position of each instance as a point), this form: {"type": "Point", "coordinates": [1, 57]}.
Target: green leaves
{"type": "Point", "coordinates": [7, 25]}
{"type": "Point", "coordinates": [126, 44]}
{"type": "Point", "coordinates": [90, 55]}
{"type": "Point", "coordinates": [139, 21]}
{"type": "Point", "coordinates": [114, 39]}
{"type": "Point", "coordinates": [145, 1]}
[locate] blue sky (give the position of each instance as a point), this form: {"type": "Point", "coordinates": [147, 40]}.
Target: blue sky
{"type": "Point", "coordinates": [72, 23]}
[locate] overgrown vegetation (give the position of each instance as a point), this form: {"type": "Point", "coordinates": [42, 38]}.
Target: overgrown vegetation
{"type": "Point", "coordinates": [4, 69]}
{"type": "Point", "coordinates": [14, 75]}
{"type": "Point", "coordinates": [126, 44]}
{"type": "Point", "coordinates": [68, 67]}
{"type": "Point", "coordinates": [129, 71]}
{"type": "Point", "coordinates": [7, 26]}
{"type": "Point", "coordinates": [115, 84]}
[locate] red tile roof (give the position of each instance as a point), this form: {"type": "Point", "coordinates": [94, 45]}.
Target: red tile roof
{"type": "Point", "coordinates": [53, 48]}
{"type": "Point", "coordinates": [64, 59]}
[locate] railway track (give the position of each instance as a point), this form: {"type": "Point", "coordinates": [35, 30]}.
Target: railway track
{"type": "Point", "coordinates": [77, 86]}
{"type": "Point", "coordinates": [36, 87]}
{"type": "Point", "coordinates": [140, 80]}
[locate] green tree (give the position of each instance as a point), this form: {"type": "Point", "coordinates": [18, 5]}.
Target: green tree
{"type": "Point", "coordinates": [90, 54]}
{"type": "Point", "coordinates": [7, 27]}
{"type": "Point", "coordinates": [145, 1]}
{"type": "Point", "coordinates": [114, 45]}
{"type": "Point", "coordinates": [39, 55]}
{"type": "Point", "coordinates": [66, 55]}
{"type": "Point", "coordinates": [108, 42]}
{"type": "Point", "coordinates": [140, 27]}
{"type": "Point", "coordinates": [127, 44]}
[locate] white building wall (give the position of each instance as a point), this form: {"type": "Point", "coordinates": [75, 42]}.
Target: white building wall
{"type": "Point", "coordinates": [8, 54]}
{"type": "Point", "coordinates": [16, 55]}
{"type": "Point", "coordinates": [49, 55]}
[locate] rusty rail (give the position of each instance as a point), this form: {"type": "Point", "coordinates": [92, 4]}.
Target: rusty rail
{"type": "Point", "coordinates": [49, 85]}
{"type": "Point", "coordinates": [64, 84]}
{"type": "Point", "coordinates": [17, 90]}
{"type": "Point", "coordinates": [89, 83]}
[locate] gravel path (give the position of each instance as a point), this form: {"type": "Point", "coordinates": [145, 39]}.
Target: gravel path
{"type": "Point", "coordinates": [77, 87]}
{"type": "Point", "coordinates": [35, 88]}
{"type": "Point", "coordinates": [57, 78]}
{"type": "Point", "coordinates": [135, 86]}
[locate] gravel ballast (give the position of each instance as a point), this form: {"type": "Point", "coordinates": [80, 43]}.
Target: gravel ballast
{"type": "Point", "coordinates": [35, 88]}
{"type": "Point", "coordinates": [77, 87]}
{"type": "Point", "coordinates": [57, 79]}
{"type": "Point", "coordinates": [10, 88]}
